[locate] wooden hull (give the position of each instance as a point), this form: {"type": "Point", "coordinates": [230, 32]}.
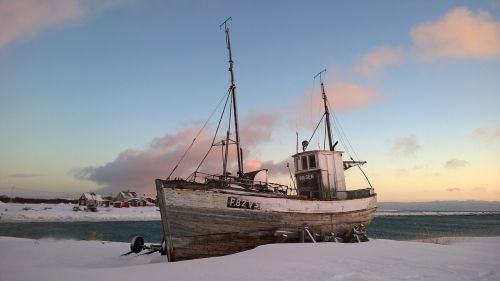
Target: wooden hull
{"type": "Point", "coordinates": [200, 223]}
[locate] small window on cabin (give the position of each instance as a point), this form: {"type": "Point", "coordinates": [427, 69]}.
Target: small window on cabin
{"type": "Point", "coordinates": [312, 161]}
{"type": "Point", "coordinates": [304, 162]}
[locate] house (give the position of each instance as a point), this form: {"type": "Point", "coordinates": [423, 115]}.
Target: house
{"type": "Point", "coordinates": [91, 200]}
{"type": "Point", "coordinates": [137, 202]}
{"type": "Point", "coordinates": [149, 199]}
{"type": "Point", "coordinates": [125, 196]}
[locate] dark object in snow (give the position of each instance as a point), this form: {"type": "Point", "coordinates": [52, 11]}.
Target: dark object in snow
{"type": "Point", "coordinates": [137, 245]}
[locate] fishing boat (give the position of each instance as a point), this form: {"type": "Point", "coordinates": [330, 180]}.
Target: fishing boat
{"type": "Point", "coordinates": [208, 215]}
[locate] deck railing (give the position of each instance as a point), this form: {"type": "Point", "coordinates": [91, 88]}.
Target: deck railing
{"type": "Point", "coordinates": [234, 182]}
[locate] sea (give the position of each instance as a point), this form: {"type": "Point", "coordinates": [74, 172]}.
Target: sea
{"type": "Point", "coordinates": [386, 225]}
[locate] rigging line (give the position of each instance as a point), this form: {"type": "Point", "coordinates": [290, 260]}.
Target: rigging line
{"type": "Point", "coordinates": [215, 135]}
{"type": "Point", "coordinates": [345, 135]}
{"type": "Point", "coordinates": [315, 130]}
{"type": "Point", "coordinates": [342, 133]}
{"type": "Point", "coordinates": [344, 139]}
{"type": "Point", "coordinates": [341, 130]}
{"type": "Point", "coordinates": [197, 135]}
{"type": "Point", "coordinates": [364, 175]}
{"type": "Point", "coordinates": [341, 137]}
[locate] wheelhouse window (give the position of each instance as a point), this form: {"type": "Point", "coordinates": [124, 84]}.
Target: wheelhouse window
{"type": "Point", "coordinates": [303, 160]}
{"type": "Point", "coordinates": [312, 161]}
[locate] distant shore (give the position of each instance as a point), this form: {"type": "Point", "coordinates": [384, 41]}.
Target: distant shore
{"type": "Point", "coordinates": [40, 212]}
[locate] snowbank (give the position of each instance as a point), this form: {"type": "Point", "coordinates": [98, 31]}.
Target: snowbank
{"type": "Point", "coordinates": [53, 260]}
{"type": "Point", "coordinates": [64, 212]}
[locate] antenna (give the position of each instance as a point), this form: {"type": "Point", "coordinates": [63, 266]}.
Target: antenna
{"type": "Point", "coordinates": [320, 74]}
{"type": "Point", "coordinates": [297, 143]}
{"type": "Point", "coordinates": [327, 112]}
{"type": "Point", "coordinates": [224, 23]}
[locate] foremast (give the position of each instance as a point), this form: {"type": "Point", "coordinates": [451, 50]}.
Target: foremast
{"type": "Point", "coordinates": [232, 89]}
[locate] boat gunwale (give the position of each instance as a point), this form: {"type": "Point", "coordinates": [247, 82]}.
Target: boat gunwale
{"type": "Point", "coordinates": [246, 192]}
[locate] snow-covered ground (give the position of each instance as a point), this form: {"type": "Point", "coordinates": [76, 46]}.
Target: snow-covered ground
{"type": "Point", "coordinates": [53, 260]}
{"type": "Point", "coordinates": [64, 212]}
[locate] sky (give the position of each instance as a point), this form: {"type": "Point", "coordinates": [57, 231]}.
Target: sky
{"type": "Point", "coordinates": [108, 95]}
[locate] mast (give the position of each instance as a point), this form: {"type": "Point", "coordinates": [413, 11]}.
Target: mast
{"type": "Point", "coordinates": [233, 98]}
{"type": "Point", "coordinates": [327, 112]}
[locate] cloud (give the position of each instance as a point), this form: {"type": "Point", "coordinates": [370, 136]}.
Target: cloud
{"type": "Point", "coordinates": [453, 189]}
{"type": "Point", "coordinates": [341, 97]}
{"type": "Point", "coordinates": [345, 96]}
{"type": "Point", "coordinates": [479, 189]}
{"type": "Point", "coordinates": [460, 33]}
{"type": "Point", "coordinates": [486, 133]}
{"type": "Point", "coordinates": [480, 132]}
{"type": "Point", "coordinates": [405, 145]}
{"type": "Point", "coordinates": [22, 175]}
{"type": "Point", "coordinates": [257, 127]}
{"type": "Point", "coordinates": [455, 163]}
{"type": "Point", "coordinates": [372, 62]}
{"type": "Point", "coordinates": [276, 168]}
{"type": "Point", "coordinates": [21, 20]}
{"type": "Point", "coordinates": [24, 19]}
{"type": "Point", "coordinates": [402, 173]}
{"type": "Point", "coordinates": [137, 169]}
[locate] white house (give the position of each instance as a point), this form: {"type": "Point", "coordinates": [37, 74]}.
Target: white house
{"type": "Point", "coordinates": [90, 199]}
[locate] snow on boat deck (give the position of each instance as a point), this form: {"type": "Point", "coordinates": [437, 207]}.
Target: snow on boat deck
{"type": "Point", "coordinates": [462, 259]}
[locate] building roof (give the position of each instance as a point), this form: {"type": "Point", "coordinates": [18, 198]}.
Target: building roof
{"type": "Point", "coordinates": [92, 196]}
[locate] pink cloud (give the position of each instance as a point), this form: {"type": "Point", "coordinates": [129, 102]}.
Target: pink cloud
{"type": "Point", "coordinates": [345, 96]}
{"type": "Point", "coordinates": [137, 169]}
{"type": "Point", "coordinates": [460, 33]}
{"type": "Point", "coordinates": [373, 62]}
{"type": "Point", "coordinates": [253, 165]}
{"type": "Point", "coordinates": [257, 127]}
{"type": "Point", "coordinates": [341, 97]}
{"type": "Point", "coordinates": [491, 134]}
{"type": "Point", "coordinates": [276, 168]}
{"type": "Point", "coordinates": [23, 19]}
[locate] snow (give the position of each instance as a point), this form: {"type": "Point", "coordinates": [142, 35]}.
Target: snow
{"type": "Point", "coordinates": [64, 212]}
{"type": "Point", "coordinates": [54, 260]}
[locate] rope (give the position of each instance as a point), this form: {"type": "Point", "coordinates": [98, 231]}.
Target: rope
{"type": "Point", "coordinates": [215, 135]}
{"type": "Point", "coordinates": [197, 135]}
{"type": "Point", "coordinates": [342, 136]}
{"type": "Point", "coordinates": [315, 130]}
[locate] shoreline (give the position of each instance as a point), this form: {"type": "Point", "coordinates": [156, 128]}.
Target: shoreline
{"type": "Point", "coordinates": [63, 212]}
